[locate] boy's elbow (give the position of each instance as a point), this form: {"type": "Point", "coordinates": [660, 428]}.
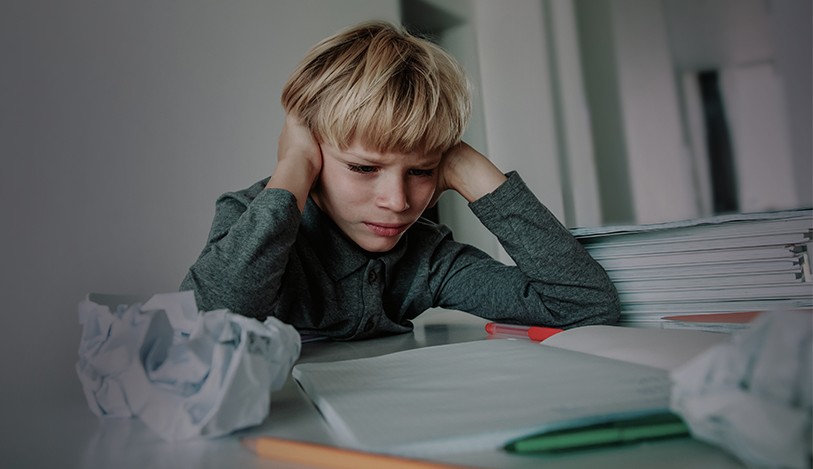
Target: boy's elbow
{"type": "Point", "coordinates": [611, 306]}
{"type": "Point", "coordinates": [602, 307]}
{"type": "Point", "coordinates": [613, 314]}
{"type": "Point", "coordinates": [204, 299]}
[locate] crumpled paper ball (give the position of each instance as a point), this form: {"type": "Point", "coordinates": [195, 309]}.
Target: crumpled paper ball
{"type": "Point", "coordinates": [184, 373]}
{"type": "Point", "coordinates": [752, 395]}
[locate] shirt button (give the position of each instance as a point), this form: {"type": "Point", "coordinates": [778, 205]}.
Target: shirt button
{"type": "Point", "coordinates": [372, 276]}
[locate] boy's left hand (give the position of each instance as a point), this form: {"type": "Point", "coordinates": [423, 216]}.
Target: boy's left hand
{"type": "Point", "coordinates": [468, 172]}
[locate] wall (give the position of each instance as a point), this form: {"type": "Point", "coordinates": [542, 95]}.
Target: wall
{"type": "Point", "coordinates": [638, 56]}
{"type": "Point", "coordinates": [601, 81]}
{"type": "Point", "coordinates": [645, 172]}
{"type": "Point", "coordinates": [762, 50]}
{"type": "Point", "coordinates": [580, 192]}
{"type": "Point", "coordinates": [792, 30]}
{"type": "Point", "coordinates": [120, 124]}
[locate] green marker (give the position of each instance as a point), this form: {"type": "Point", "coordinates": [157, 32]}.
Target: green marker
{"type": "Point", "coordinates": [650, 427]}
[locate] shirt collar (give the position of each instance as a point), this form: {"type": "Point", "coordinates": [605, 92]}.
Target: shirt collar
{"type": "Point", "coordinates": [339, 255]}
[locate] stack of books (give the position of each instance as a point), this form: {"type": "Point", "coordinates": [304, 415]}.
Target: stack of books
{"type": "Point", "coordinates": [724, 264]}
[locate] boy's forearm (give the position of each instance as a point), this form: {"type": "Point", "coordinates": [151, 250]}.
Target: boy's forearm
{"type": "Point", "coordinates": [572, 285]}
{"type": "Point", "coordinates": [244, 260]}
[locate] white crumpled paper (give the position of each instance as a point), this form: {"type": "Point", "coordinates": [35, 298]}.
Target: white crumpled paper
{"type": "Point", "coordinates": [752, 395]}
{"type": "Point", "coordinates": [184, 373]}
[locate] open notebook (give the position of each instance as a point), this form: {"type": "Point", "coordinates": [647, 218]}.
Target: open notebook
{"type": "Point", "coordinates": [478, 395]}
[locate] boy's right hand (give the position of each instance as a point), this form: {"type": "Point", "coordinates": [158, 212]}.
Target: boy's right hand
{"type": "Point", "coordinates": [299, 160]}
{"type": "Point", "coordinates": [296, 141]}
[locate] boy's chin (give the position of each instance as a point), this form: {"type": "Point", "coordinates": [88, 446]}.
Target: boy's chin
{"type": "Point", "coordinates": [377, 247]}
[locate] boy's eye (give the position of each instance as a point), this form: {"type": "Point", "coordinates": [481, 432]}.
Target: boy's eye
{"type": "Point", "coordinates": [361, 169]}
{"type": "Point", "coordinates": [421, 172]}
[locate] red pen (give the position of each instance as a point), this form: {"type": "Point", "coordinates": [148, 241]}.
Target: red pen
{"type": "Point", "coordinates": [536, 333]}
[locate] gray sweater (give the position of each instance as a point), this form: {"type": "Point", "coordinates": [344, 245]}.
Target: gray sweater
{"type": "Point", "coordinates": [263, 258]}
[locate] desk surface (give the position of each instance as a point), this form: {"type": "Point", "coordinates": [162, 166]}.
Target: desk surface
{"type": "Point", "coordinates": [68, 435]}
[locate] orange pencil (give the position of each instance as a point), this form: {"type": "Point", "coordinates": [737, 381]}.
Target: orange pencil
{"type": "Point", "coordinates": [313, 455]}
{"type": "Point", "coordinates": [535, 333]}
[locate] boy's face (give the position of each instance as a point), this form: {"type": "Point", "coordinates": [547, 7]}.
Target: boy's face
{"type": "Point", "coordinates": [374, 197]}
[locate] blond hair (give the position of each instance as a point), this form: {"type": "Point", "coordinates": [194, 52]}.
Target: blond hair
{"type": "Point", "coordinates": [380, 86]}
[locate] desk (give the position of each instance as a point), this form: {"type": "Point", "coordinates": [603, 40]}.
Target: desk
{"type": "Point", "coordinates": [68, 435]}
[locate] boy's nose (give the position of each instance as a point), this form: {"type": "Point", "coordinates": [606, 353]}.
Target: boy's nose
{"type": "Point", "coordinates": [392, 195]}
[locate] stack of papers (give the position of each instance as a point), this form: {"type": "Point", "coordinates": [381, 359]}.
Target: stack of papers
{"type": "Point", "coordinates": [730, 263]}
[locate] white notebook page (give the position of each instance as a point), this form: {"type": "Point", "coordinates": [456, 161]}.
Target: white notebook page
{"type": "Point", "coordinates": [474, 395]}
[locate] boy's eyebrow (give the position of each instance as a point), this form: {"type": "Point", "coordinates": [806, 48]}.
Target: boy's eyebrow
{"type": "Point", "coordinates": [359, 156]}
{"type": "Point", "coordinates": [421, 160]}
{"type": "Point", "coordinates": [430, 162]}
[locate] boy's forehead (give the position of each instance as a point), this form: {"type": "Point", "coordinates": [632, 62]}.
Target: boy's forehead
{"type": "Point", "coordinates": [359, 150]}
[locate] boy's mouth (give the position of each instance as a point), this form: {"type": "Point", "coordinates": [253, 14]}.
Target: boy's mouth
{"type": "Point", "coordinates": [386, 229]}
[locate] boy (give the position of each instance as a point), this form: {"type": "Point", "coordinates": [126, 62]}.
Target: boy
{"type": "Point", "coordinates": [333, 243]}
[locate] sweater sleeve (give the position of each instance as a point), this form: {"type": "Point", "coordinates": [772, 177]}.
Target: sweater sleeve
{"type": "Point", "coordinates": [242, 264]}
{"type": "Point", "coordinates": [555, 281]}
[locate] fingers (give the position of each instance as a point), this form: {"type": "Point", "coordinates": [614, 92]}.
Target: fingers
{"type": "Point", "coordinates": [468, 172]}
{"type": "Point", "coordinates": [450, 166]}
{"type": "Point", "coordinates": [296, 141]}
{"type": "Point", "coordinates": [299, 161]}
